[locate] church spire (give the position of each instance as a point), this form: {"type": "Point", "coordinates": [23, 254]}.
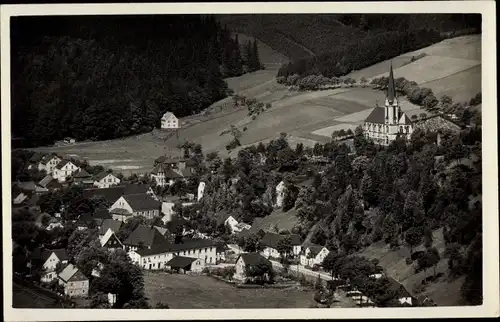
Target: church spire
{"type": "Point", "coordinates": [391, 91]}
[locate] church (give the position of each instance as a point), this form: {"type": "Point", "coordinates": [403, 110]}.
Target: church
{"type": "Point", "coordinates": [386, 123]}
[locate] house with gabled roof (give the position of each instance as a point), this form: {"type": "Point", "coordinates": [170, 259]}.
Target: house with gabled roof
{"type": "Point", "coordinates": [113, 193]}
{"type": "Point", "coordinates": [140, 204]}
{"type": "Point", "coordinates": [184, 264]}
{"type": "Point", "coordinates": [384, 124]}
{"type": "Point", "coordinates": [50, 162]}
{"type": "Point", "coordinates": [82, 177]}
{"type": "Point", "coordinates": [270, 241]}
{"type": "Point", "coordinates": [169, 121]}
{"type": "Point", "coordinates": [143, 236]}
{"type": "Point", "coordinates": [50, 260]}
{"type": "Point", "coordinates": [107, 224]}
{"type": "Point", "coordinates": [105, 180]}
{"type": "Point", "coordinates": [35, 161]}
{"type": "Point", "coordinates": [100, 215]}
{"type": "Point", "coordinates": [110, 241]}
{"type": "Point", "coordinates": [64, 169]}
{"type": "Point", "coordinates": [313, 255]}
{"type": "Point", "coordinates": [75, 283]}
{"type": "Point", "coordinates": [48, 182]}
{"type": "Point", "coordinates": [160, 253]}
{"type": "Point", "coordinates": [247, 260]}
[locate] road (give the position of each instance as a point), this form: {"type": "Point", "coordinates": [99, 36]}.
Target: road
{"type": "Point", "coordinates": [305, 271]}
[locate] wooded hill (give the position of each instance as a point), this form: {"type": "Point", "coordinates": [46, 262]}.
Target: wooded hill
{"type": "Point", "coordinates": [104, 77]}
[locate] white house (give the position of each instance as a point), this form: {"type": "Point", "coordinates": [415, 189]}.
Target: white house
{"type": "Point", "coordinates": [105, 180]}
{"type": "Point", "coordinates": [140, 204]}
{"type": "Point", "coordinates": [245, 260]}
{"type": "Point", "coordinates": [313, 255]}
{"type": "Point", "coordinates": [110, 241]}
{"type": "Point", "coordinates": [75, 283]}
{"type": "Point", "coordinates": [64, 169]}
{"type": "Point", "coordinates": [270, 241]}
{"type": "Point", "coordinates": [201, 190]}
{"type": "Point", "coordinates": [49, 163]}
{"type": "Point", "coordinates": [50, 259]}
{"type": "Point", "coordinates": [160, 254]}
{"type": "Point", "coordinates": [169, 121]}
{"type": "Point", "coordinates": [231, 222]}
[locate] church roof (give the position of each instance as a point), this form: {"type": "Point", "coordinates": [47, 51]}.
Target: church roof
{"type": "Point", "coordinates": [377, 115]}
{"type": "Point", "coordinates": [391, 90]}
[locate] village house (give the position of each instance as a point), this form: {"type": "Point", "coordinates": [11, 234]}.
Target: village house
{"type": "Point", "coordinates": [385, 124]}
{"type": "Point", "coordinates": [112, 194]}
{"type": "Point", "coordinates": [270, 242]}
{"type": "Point", "coordinates": [161, 253]}
{"type": "Point", "coordinates": [83, 178]}
{"type": "Point", "coordinates": [50, 183]}
{"type": "Point", "coordinates": [75, 283]}
{"type": "Point", "coordinates": [169, 169]}
{"type": "Point", "coordinates": [100, 215]}
{"type": "Point", "coordinates": [143, 237]}
{"type": "Point", "coordinates": [35, 162]}
{"type": "Point", "coordinates": [169, 121]}
{"type": "Point", "coordinates": [313, 255]}
{"type": "Point", "coordinates": [140, 204]}
{"type": "Point", "coordinates": [109, 224]}
{"type": "Point", "coordinates": [64, 169]}
{"type": "Point", "coordinates": [105, 180]}
{"type": "Point", "coordinates": [167, 207]}
{"type": "Point", "coordinates": [245, 261]}
{"type": "Point", "coordinates": [403, 297]}
{"type": "Point", "coordinates": [50, 259]}
{"type": "Point", "coordinates": [110, 241]}
{"type": "Point", "coordinates": [183, 264]}
{"type": "Point", "coordinates": [50, 162]}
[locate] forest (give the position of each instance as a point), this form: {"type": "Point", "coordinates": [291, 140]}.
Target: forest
{"type": "Point", "coordinates": [364, 40]}
{"type": "Point", "coordinates": [105, 77]}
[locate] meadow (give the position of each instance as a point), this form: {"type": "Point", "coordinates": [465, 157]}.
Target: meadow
{"type": "Point", "coordinates": [181, 291]}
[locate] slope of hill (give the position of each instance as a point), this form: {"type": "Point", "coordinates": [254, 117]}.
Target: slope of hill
{"type": "Point", "coordinates": [308, 117]}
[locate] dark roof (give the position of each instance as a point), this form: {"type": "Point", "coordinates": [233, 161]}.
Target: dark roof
{"type": "Point", "coordinates": [135, 188]}
{"type": "Point", "coordinates": [142, 201]}
{"type": "Point", "coordinates": [253, 259]}
{"type": "Point", "coordinates": [171, 174]}
{"type": "Point", "coordinates": [111, 194]}
{"type": "Point", "coordinates": [377, 115]}
{"type": "Point", "coordinates": [398, 288]}
{"type": "Point", "coordinates": [120, 211]}
{"type": "Point", "coordinates": [102, 214]}
{"type": "Point", "coordinates": [102, 175]}
{"type": "Point", "coordinates": [82, 174]}
{"type": "Point", "coordinates": [180, 262]}
{"type": "Point", "coordinates": [169, 160]}
{"type": "Point", "coordinates": [110, 223]}
{"type": "Point", "coordinates": [61, 164]}
{"type": "Point", "coordinates": [391, 89]}
{"type": "Point", "coordinates": [166, 247]}
{"type": "Point", "coordinates": [26, 185]}
{"type": "Point", "coordinates": [149, 236]}
{"type": "Point", "coordinates": [161, 159]}
{"type": "Point", "coordinates": [36, 157]}
{"type": "Point", "coordinates": [85, 219]}
{"type": "Point", "coordinates": [315, 249]}
{"type": "Point", "coordinates": [60, 253]}
{"type": "Point", "coordinates": [221, 247]}
{"type": "Point", "coordinates": [271, 239]}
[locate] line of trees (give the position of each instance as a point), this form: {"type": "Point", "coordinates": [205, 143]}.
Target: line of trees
{"type": "Point", "coordinates": [106, 77]}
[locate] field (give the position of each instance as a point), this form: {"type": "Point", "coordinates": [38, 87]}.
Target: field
{"type": "Point", "coordinates": [202, 292]}
{"type": "Point", "coordinates": [451, 67]}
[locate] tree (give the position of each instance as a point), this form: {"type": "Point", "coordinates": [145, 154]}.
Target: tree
{"type": "Point", "coordinates": [433, 258]}
{"type": "Point", "coordinates": [161, 305]}
{"type": "Point", "coordinates": [252, 244]}
{"type": "Point", "coordinates": [413, 237]}
{"type": "Point", "coordinates": [446, 102]}
{"type": "Point", "coordinates": [428, 237]}
{"type": "Point", "coordinates": [260, 273]}
{"type": "Point", "coordinates": [284, 247]}
{"type": "Point", "coordinates": [79, 240]}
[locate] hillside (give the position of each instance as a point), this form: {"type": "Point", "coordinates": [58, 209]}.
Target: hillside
{"type": "Point", "coordinates": [308, 117]}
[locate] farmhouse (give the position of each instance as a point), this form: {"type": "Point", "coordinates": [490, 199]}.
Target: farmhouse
{"type": "Point", "coordinates": [313, 255]}
{"type": "Point", "coordinates": [247, 260]}
{"type": "Point", "coordinates": [144, 237]}
{"type": "Point", "coordinates": [82, 177]}
{"type": "Point", "coordinates": [64, 169]}
{"type": "Point", "coordinates": [49, 162]}
{"type": "Point", "coordinates": [161, 253]}
{"type": "Point", "coordinates": [50, 259]}
{"type": "Point", "coordinates": [112, 194]}
{"type": "Point", "coordinates": [169, 121]}
{"type": "Point", "coordinates": [385, 124]}
{"type": "Point", "coordinates": [140, 204]}
{"type": "Point", "coordinates": [271, 241]}
{"type": "Point", "coordinates": [164, 175]}
{"type": "Point", "coordinates": [75, 283]}
{"type": "Point", "coordinates": [105, 180]}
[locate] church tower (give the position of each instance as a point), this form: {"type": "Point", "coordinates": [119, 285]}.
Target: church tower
{"type": "Point", "coordinates": [392, 111]}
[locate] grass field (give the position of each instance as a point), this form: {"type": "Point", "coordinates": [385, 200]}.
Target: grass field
{"type": "Point", "coordinates": [202, 292]}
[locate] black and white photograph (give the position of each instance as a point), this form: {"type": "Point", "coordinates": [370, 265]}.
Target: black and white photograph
{"type": "Point", "coordinates": [192, 158]}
